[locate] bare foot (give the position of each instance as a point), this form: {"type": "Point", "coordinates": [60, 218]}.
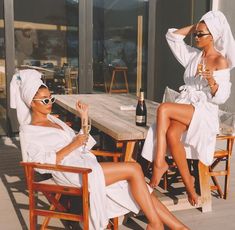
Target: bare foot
{"type": "Point", "coordinates": [157, 174]}
{"type": "Point", "coordinates": [192, 195]}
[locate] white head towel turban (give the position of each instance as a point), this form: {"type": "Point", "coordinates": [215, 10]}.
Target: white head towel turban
{"type": "Point", "coordinates": [222, 35]}
{"type": "Point", "coordinates": [24, 85]}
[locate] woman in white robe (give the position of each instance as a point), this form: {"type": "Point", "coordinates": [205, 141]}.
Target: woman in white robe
{"type": "Point", "coordinates": [191, 124]}
{"type": "Point", "coordinates": [115, 188]}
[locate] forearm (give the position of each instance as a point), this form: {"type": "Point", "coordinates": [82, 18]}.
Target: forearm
{"type": "Point", "coordinates": [84, 120]}
{"type": "Point", "coordinates": [185, 30]}
{"type": "Point", "coordinates": [76, 143]}
{"type": "Point", "coordinates": [213, 86]}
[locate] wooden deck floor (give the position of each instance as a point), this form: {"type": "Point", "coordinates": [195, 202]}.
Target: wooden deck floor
{"type": "Point", "coordinates": [14, 200]}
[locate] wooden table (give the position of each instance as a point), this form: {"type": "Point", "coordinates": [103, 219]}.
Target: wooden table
{"type": "Point", "coordinates": [106, 115]}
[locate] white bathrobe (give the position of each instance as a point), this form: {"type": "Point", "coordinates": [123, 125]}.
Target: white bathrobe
{"type": "Point", "coordinates": [200, 138]}
{"type": "Point", "coordinates": [42, 143]}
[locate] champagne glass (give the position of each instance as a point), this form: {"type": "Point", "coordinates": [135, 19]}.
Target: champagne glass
{"type": "Point", "coordinates": [86, 128]}
{"type": "Point", "coordinates": [200, 69]}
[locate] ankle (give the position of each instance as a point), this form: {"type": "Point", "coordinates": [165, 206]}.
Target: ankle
{"type": "Point", "coordinates": [160, 164]}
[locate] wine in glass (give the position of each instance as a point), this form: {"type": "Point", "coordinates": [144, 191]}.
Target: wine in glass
{"type": "Point", "coordinates": [200, 69]}
{"type": "Point", "coordinates": [86, 128]}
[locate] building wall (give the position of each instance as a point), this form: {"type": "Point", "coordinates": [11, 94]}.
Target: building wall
{"type": "Point", "coordinates": [228, 8]}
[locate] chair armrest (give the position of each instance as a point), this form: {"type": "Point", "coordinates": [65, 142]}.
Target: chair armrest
{"type": "Point", "coordinates": [54, 167]}
{"type": "Point", "coordinates": [224, 137]}
{"type": "Point", "coordinates": [114, 155]}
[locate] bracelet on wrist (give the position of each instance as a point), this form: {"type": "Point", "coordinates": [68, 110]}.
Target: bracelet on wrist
{"type": "Point", "coordinates": [212, 85]}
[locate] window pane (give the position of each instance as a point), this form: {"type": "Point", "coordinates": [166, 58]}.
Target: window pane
{"type": "Point", "coordinates": [46, 38]}
{"type": "Point", "coordinates": [115, 42]}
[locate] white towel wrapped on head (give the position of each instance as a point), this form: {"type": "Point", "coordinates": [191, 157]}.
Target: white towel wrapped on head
{"type": "Point", "coordinates": [222, 34]}
{"type": "Point", "coordinates": [24, 85]}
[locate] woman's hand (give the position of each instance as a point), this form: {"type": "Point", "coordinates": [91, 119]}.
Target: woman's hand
{"type": "Point", "coordinates": [82, 110]}
{"type": "Point", "coordinates": [207, 74]}
{"type": "Point", "coordinates": [80, 139]}
{"type": "Point", "coordinates": [186, 30]}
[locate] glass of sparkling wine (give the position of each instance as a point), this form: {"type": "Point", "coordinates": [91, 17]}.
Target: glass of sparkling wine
{"type": "Point", "coordinates": [200, 69]}
{"type": "Point", "coordinates": [86, 128]}
{"type": "Point", "coordinates": [201, 66]}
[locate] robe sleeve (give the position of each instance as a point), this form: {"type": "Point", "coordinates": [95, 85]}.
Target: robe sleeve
{"type": "Point", "coordinates": [37, 153]}
{"type": "Point", "coordinates": [182, 52]}
{"type": "Point", "coordinates": [224, 89]}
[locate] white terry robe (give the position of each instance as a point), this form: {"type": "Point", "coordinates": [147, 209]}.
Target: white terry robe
{"type": "Point", "coordinates": [42, 143]}
{"type": "Point", "coordinates": [200, 138]}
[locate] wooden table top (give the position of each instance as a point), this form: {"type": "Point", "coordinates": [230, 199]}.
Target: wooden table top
{"type": "Point", "coordinates": [106, 115]}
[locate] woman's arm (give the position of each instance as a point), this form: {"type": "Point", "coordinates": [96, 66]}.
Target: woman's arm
{"type": "Point", "coordinates": [218, 63]}
{"type": "Point", "coordinates": [185, 30]}
{"type": "Point", "coordinates": [82, 112]}
{"type": "Point", "coordinates": [183, 52]}
{"type": "Point", "coordinates": [78, 141]}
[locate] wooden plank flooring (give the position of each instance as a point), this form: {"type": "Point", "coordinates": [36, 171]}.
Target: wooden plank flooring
{"type": "Point", "coordinates": [14, 200]}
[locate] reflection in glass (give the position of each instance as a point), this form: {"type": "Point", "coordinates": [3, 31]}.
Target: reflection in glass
{"type": "Point", "coordinates": [46, 38]}
{"type": "Point", "coordinates": [115, 40]}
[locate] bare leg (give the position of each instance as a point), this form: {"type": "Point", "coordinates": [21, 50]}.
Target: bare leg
{"type": "Point", "coordinates": [165, 113]}
{"type": "Point", "coordinates": [167, 217]}
{"type": "Point", "coordinates": [174, 134]}
{"type": "Point", "coordinates": [132, 172]}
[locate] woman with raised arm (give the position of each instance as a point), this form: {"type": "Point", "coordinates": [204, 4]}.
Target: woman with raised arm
{"type": "Point", "coordinates": [114, 188]}
{"type": "Point", "coordinates": [189, 126]}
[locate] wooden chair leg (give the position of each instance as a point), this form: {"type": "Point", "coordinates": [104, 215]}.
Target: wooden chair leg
{"type": "Point", "coordinates": [217, 186]}
{"type": "Point", "coordinates": [32, 216]}
{"type": "Point", "coordinates": [85, 202]}
{"type": "Point", "coordinates": [165, 181]}
{"type": "Point", "coordinates": [204, 177]}
{"type": "Point", "coordinates": [126, 83]}
{"type": "Point", "coordinates": [52, 208]}
{"type": "Point", "coordinates": [115, 223]}
{"type": "Point", "coordinates": [227, 177]}
{"type": "Point", "coordinates": [112, 80]}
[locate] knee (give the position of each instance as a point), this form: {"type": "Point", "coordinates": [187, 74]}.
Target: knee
{"type": "Point", "coordinates": [162, 109]}
{"type": "Point", "coordinates": [136, 169]}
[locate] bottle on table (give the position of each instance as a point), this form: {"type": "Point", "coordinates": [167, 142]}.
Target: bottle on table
{"type": "Point", "coordinates": [141, 111]}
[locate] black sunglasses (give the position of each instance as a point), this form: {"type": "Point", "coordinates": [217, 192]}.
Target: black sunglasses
{"type": "Point", "coordinates": [45, 101]}
{"type": "Point", "coordinates": [199, 35]}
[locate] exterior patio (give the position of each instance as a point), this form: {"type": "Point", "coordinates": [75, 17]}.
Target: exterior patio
{"type": "Point", "coordinates": [14, 202]}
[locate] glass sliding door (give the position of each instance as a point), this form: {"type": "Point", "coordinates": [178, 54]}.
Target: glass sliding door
{"type": "Point", "coordinates": [120, 31]}
{"type": "Point", "coordinates": [3, 130]}
{"type": "Point", "coordinates": [46, 38]}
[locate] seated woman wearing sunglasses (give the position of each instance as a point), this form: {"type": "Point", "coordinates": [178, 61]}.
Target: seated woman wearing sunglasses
{"type": "Point", "coordinates": [189, 126]}
{"type": "Point", "coordinates": [114, 188]}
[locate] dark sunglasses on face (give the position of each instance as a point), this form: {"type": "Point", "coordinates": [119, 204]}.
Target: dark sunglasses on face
{"type": "Point", "coordinates": [45, 101]}
{"type": "Point", "coordinates": [199, 35]}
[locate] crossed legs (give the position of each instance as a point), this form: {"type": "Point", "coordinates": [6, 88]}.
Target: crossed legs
{"type": "Point", "coordinates": [172, 121]}
{"type": "Point", "coordinates": [156, 213]}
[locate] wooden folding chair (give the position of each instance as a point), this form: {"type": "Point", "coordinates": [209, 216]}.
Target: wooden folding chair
{"type": "Point", "coordinates": [54, 192]}
{"type": "Point", "coordinates": [222, 155]}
